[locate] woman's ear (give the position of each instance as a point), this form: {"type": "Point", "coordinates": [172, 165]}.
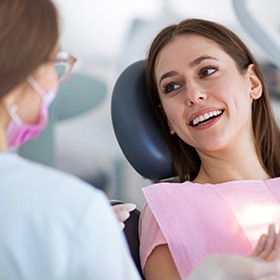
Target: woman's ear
{"type": "Point", "coordinates": [172, 131]}
{"type": "Point", "coordinates": [255, 83]}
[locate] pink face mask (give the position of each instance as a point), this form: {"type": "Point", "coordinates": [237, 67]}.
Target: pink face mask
{"type": "Point", "coordinates": [19, 132]}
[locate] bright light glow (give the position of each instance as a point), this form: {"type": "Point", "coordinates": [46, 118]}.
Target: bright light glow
{"type": "Point", "coordinates": [256, 218]}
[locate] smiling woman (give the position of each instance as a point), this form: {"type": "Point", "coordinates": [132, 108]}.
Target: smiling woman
{"type": "Point", "coordinates": [196, 89]}
{"type": "Point", "coordinates": [210, 99]}
{"type": "Point", "coordinates": [197, 36]}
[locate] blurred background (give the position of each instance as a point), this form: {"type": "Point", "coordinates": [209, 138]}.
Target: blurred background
{"type": "Point", "coordinates": [106, 36]}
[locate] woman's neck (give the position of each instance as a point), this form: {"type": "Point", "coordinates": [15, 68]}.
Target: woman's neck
{"type": "Point", "coordinates": [228, 167]}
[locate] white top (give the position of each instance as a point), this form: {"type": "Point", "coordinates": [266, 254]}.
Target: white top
{"type": "Point", "coordinates": [54, 226]}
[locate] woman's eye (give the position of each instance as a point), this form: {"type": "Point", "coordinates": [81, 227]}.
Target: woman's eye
{"type": "Point", "coordinates": [207, 71]}
{"type": "Point", "coordinates": [170, 87]}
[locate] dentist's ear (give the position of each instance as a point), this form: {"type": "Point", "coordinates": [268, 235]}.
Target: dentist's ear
{"type": "Point", "coordinates": [255, 83]}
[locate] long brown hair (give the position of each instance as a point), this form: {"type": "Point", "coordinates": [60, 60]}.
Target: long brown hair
{"type": "Point", "coordinates": [185, 158]}
{"type": "Point", "coordinates": [28, 35]}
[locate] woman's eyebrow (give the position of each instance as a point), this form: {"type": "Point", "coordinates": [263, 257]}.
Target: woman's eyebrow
{"type": "Point", "coordinates": [193, 63]}
{"type": "Point", "coordinates": [166, 75]}
{"type": "Point", "coordinates": [200, 59]}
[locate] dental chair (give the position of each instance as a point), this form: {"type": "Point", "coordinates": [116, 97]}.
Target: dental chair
{"type": "Point", "coordinates": [140, 139]}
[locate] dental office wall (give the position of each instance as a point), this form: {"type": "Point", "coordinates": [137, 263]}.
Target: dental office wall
{"type": "Point", "coordinates": [108, 35]}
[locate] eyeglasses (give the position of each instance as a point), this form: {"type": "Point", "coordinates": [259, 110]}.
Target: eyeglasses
{"type": "Point", "coordinates": [63, 64]}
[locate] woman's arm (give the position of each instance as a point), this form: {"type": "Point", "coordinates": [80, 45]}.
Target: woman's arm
{"type": "Point", "coordinates": [160, 265]}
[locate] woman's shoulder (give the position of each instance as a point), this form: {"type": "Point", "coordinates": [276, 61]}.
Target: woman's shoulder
{"type": "Point", "coordinates": [171, 187]}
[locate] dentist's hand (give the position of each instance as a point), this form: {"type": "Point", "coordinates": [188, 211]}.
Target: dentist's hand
{"type": "Point", "coordinates": [123, 212]}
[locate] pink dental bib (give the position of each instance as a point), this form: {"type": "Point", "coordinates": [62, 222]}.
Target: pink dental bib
{"type": "Point", "coordinates": [196, 220]}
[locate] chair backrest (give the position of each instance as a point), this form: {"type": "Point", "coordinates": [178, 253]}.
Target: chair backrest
{"type": "Point", "coordinates": [136, 128]}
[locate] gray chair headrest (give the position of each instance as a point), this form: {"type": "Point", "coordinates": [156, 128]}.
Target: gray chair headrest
{"type": "Point", "coordinates": [136, 129]}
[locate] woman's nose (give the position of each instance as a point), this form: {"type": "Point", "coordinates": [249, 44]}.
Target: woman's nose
{"type": "Point", "coordinates": [194, 94]}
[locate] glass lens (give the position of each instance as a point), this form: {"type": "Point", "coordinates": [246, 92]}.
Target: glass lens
{"type": "Point", "coordinates": [60, 69]}
{"type": "Point", "coordinates": [63, 65]}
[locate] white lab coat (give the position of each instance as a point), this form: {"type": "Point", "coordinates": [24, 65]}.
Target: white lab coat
{"type": "Point", "coordinates": [54, 226]}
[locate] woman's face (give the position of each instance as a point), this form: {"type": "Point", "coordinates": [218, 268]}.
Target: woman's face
{"type": "Point", "coordinates": [206, 99]}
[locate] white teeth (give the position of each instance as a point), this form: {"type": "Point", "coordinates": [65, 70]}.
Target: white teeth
{"type": "Point", "coordinates": [206, 116]}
